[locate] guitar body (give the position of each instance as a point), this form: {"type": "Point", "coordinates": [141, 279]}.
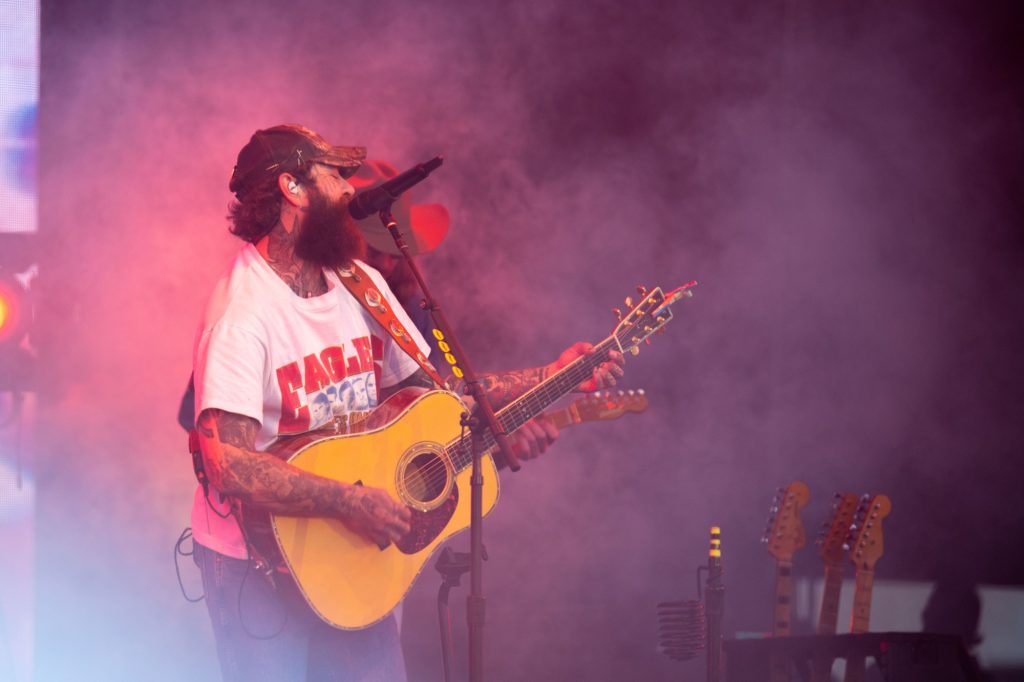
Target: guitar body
{"type": "Point", "coordinates": [411, 446]}
{"type": "Point", "coordinates": [350, 582]}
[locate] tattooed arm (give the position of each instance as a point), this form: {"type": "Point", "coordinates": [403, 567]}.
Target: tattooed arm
{"type": "Point", "coordinates": [504, 387]}
{"type": "Point", "coordinates": [237, 470]}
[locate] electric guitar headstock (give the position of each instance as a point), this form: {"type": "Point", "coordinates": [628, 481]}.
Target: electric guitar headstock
{"type": "Point", "coordinates": [864, 541]}
{"type": "Point", "coordinates": [833, 535]}
{"type": "Point", "coordinates": [784, 534]}
{"type": "Point", "coordinates": [604, 405]}
{"type": "Point", "coordinates": [647, 316]}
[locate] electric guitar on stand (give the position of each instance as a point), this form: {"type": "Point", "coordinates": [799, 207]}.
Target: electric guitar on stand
{"type": "Point", "coordinates": [864, 543]}
{"type": "Point", "coordinates": [599, 406]}
{"type": "Point", "coordinates": [785, 535]}
{"type": "Point", "coordinates": [831, 542]}
{"type": "Point", "coordinates": [413, 447]}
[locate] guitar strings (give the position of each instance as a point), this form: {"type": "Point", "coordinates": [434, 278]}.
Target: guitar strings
{"type": "Point", "coordinates": [459, 450]}
{"type": "Point", "coordinates": [531, 403]}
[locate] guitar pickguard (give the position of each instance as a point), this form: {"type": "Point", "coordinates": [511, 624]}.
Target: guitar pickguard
{"type": "Point", "coordinates": [427, 525]}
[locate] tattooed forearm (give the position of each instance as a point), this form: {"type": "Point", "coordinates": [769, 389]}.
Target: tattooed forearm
{"type": "Point", "coordinates": [504, 387]}
{"type": "Point", "coordinates": [237, 470]}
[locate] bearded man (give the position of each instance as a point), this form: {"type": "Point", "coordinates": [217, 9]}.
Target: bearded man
{"type": "Point", "coordinates": [279, 311]}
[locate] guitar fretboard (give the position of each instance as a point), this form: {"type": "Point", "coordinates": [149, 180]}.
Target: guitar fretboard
{"type": "Point", "coordinates": [828, 619]}
{"type": "Point", "coordinates": [860, 619]}
{"type": "Point", "coordinates": [533, 402]}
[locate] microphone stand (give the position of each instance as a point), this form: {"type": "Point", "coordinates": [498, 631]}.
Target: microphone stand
{"type": "Point", "coordinates": [484, 419]}
{"type": "Point", "coordinates": [714, 605]}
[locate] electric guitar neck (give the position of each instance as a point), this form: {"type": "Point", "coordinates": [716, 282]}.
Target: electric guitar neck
{"type": "Point", "coordinates": [599, 406]}
{"type": "Point", "coordinates": [785, 535]}
{"type": "Point", "coordinates": [831, 542]}
{"type": "Point", "coordinates": [866, 547]}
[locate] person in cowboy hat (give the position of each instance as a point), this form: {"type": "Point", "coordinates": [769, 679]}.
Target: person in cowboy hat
{"type": "Point", "coordinates": [279, 326]}
{"type": "Point", "coordinates": [424, 227]}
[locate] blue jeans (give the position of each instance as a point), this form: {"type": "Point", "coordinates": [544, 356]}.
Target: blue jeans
{"type": "Point", "coordinates": [268, 633]}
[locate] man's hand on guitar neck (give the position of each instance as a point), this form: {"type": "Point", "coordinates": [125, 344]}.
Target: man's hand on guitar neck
{"type": "Point", "coordinates": [605, 375]}
{"type": "Point", "coordinates": [504, 387]}
{"type": "Point", "coordinates": [238, 470]}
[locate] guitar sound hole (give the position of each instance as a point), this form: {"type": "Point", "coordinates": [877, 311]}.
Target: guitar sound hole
{"type": "Point", "coordinates": [425, 477]}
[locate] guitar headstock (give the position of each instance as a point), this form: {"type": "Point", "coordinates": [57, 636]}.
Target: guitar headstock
{"type": "Point", "coordinates": [604, 405]}
{"type": "Point", "coordinates": [864, 541]}
{"type": "Point", "coordinates": [833, 534]}
{"type": "Point", "coordinates": [647, 316]}
{"type": "Point", "coordinates": [784, 533]}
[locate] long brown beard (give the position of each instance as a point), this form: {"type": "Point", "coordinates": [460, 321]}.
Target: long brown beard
{"type": "Point", "coordinates": [329, 236]}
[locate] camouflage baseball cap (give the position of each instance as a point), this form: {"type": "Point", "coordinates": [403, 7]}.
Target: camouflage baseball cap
{"type": "Point", "coordinates": [286, 148]}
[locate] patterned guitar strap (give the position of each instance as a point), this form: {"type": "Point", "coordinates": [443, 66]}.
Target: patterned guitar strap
{"type": "Point", "coordinates": [362, 288]}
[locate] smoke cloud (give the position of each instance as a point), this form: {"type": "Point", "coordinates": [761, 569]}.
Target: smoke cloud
{"type": "Point", "coordinates": [843, 181]}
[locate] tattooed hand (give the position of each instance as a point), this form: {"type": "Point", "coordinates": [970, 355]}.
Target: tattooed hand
{"type": "Point", "coordinates": [605, 374]}
{"type": "Point", "coordinates": [371, 513]}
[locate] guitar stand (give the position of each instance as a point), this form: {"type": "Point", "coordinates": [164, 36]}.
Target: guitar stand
{"type": "Point", "coordinates": [451, 565]}
{"type": "Point", "coordinates": [899, 656]}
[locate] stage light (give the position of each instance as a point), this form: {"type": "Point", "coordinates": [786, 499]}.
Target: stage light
{"type": "Point", "coordinates": [17, 356]}
{"type": "Point", "coordinates": [10, 312]}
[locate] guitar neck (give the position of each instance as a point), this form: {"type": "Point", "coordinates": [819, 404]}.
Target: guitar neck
{"type": "Point", "coordinates": [783, 598]}
{"type": "Point", "coordinates": [859, 621]}
{"type": "Point", "coordinates": [828, 619]}
{"type": "Point", "coordinates": [563, 417]}
{"type": "Point", "coordinates": [534, 401]}
{"type": "Point", "coordinates": [861, 616]}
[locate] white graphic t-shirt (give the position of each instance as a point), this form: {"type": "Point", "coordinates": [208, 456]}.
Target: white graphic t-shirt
{"type": "Point", "coordinates": [290, 363]}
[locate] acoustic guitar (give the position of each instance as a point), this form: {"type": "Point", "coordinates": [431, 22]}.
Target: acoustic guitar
{"type": "Point", "coordinates": [413, 447]}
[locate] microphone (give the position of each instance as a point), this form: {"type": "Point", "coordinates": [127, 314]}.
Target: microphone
{"type": "Point", "coordinates": [378, 198]}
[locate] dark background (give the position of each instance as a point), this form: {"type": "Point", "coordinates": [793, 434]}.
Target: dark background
{"type": "Point", "coordinates": [844, 179]}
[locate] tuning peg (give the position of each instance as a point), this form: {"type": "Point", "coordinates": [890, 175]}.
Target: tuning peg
{"type": "Point", "coordinates": [629, 301]}
{"type": "Point", "coordinates": [641, 289]}
{"type": "Point", "coordinates": [639, 391]}
{"type": "Point", "coordinates": [617, 312]}
{"type": "Point", "coordinates": [635, 350]}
